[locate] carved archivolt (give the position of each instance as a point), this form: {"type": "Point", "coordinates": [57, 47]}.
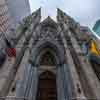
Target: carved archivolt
{"type": "Point", "coordinates": [47, 30]}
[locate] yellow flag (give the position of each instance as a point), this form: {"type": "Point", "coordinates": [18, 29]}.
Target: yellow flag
{"type": "Point", "coordinates": [94, 49]}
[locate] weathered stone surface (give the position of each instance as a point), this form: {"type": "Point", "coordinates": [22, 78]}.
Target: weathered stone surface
{"type": "Point", "coordinates": [4, 75]}
{"type": "Point", "coordinates": [75, 77]}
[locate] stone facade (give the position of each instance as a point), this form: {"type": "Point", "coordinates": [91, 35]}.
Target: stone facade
{"type": "Point", "coordinates": [46, 50]}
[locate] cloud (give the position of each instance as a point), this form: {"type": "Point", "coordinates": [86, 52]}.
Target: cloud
{"type": "Point", "coordinates": [84, 11]}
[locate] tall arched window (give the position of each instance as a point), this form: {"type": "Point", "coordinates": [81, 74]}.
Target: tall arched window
{"type": "Point", "coordinates": [48, 59]}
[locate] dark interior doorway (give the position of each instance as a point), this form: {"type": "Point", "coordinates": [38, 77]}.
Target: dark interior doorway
{"type": "Point", "coordinates": [47, 86]}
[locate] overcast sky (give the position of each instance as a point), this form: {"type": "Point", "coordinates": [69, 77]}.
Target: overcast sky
{"type": "Point", "coordinates": [86, 12]}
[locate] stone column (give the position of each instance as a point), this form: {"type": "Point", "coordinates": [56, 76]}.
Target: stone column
{"type": "Point", "coordinates": [27, 87]}
{"type": "Point", "coordinates": [28, 83]}
{"type": "Point", "coordinates": [60, 86]}
{"type": "Point", "coordinates": [68, 83]}
{"type": "Point", "coordinates": [70, 70]}
{"type": "Point", "coordinates": [22, 84]}
{"type": "Point", "coordinates": [33, 89]}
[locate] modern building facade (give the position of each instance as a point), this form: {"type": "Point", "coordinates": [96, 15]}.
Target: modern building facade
{"type": "Point", "coordinates": [50, 64]}
{"type": "Point", "coordinates": [5, 18]}
{"type": "Point", "coordinates": [6, 26]}
{"type": "Point", "coordinates": [96, 27]}
{"type": "Point", "coordinates": [19, 9]}
{"type": "Point", "coordinates": [12, 12]}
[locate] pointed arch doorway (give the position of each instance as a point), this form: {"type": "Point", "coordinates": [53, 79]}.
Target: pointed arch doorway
{"type": "Point", "coordinates": [47, 89]}
{"type": "Point", "coordinates": [47, 86]}
{"type": "Point", "coordinates": [48, 58]}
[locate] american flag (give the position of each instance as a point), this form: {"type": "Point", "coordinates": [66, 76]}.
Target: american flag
{"type": "Point", "coordinates": [11, 52]}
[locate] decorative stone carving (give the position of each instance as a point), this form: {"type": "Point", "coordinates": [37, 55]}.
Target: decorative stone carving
{"type": "Point", "coordinates": [53, 48]}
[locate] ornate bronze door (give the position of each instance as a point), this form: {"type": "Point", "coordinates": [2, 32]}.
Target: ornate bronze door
{"type": "Point", "coordinates": [47, 87]}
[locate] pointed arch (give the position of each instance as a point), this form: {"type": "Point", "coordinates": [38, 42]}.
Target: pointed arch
{"type": "Point", "coordinates": [47, 57]}
{"type": "Point", "coordinates": [47, 74]}
{"type": "Point", "coordinates": [54, 48]}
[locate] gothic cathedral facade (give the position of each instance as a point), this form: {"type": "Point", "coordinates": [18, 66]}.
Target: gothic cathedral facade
{"type": "Point", "coordinates": [50, 64]}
